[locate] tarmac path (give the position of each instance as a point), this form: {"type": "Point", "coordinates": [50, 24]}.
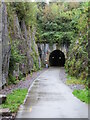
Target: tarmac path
{"type": "Point", "coordinates": [49, 97]}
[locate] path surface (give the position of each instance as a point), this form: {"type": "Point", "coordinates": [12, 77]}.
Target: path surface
{"type": "Point", "coordinates": [49, 97]}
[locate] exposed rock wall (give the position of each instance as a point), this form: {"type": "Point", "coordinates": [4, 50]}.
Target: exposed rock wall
{"type": "Point", "coordinates": [16, 28]}
{"type": "Point", "coordinates": [12, 33]}
{"type": "Point", "coordinates": [26, 40]}
{"type": "Point", "coordinates": [5, 45]}
{"type": "Point", "coordinates": [29, 51]}
{"type": "Point", "coordinates": [36, 47]}
{"type": "Point", "coordinates": [0, 46]}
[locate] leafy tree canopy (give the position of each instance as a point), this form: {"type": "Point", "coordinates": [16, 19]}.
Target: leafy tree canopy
{"type": "Point", "coordinates": [59, 22]}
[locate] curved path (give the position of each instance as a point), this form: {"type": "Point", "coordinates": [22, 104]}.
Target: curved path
{"type": "Point", "coordinates": [49, 97]}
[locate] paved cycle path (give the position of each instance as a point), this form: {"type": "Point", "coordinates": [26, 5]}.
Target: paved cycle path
{"type": "Point", "coordinates": [49, 97]}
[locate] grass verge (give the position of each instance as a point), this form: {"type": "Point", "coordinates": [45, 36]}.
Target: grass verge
{"type": "Point", "coordinates": [15, 99]}
{"type": "Point", "coordinates": [83, 95]}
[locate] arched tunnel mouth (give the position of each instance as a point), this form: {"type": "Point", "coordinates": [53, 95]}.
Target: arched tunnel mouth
{"type": "Point", "coordinates": [57, 58]}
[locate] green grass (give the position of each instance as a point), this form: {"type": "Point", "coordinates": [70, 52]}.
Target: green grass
{"type": "Point", "coordinates": [15, 99]}
{"type": "Point", "coordinates": [83, 95]}
{"type": "Point", "coordinates": [74, 81]}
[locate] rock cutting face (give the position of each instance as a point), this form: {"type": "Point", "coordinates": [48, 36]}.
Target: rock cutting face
{"type": "Point", "coordinates": [57, 58]}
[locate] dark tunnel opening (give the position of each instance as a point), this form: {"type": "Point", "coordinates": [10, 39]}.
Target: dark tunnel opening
{"type": "Point", "coordinates": [57, 58]}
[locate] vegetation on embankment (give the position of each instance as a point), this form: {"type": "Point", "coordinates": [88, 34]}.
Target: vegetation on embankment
{"type": "Point", "coordinates": [77, 60]}
{"type": "Point", "coordinates": [15, 99]}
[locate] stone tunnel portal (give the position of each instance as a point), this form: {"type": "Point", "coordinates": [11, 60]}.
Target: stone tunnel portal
{"type": "Point", "coordinates": [57, 58]}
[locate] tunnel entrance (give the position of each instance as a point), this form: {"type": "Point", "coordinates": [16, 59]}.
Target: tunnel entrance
{"type": "Point", "coordinates": [57, 58]}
